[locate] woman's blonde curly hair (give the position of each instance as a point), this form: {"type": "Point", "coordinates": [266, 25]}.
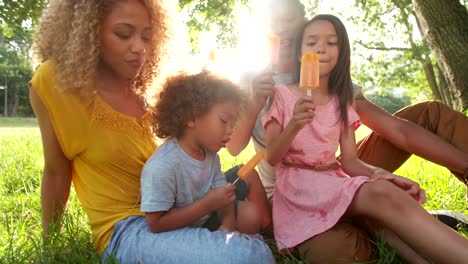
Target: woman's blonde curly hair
{"type": "Point", "coordinates": [69, 34]}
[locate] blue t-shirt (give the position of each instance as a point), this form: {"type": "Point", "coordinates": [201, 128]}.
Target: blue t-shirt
{"type": "Point", "coordinates": [172, 179]}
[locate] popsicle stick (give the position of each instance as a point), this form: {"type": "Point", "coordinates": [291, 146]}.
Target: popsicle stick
{"type": "Point", "coordinates": [309, 92]}
{"type": "Point", "coordinates": [234, 182]}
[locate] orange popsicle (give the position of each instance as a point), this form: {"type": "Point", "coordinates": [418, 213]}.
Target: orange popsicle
{"type": "Point", "coordinates": [310, 75]}
{"type": "Point", "coordinates": [249, 166]}
{"type": "Point", "coordinates": [274, 43]}
{"type": "Point", "coordinates": [213, 56]}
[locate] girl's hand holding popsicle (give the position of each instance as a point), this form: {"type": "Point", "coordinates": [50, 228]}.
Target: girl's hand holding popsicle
{"type": "Point", "coordinates": [303, 113]}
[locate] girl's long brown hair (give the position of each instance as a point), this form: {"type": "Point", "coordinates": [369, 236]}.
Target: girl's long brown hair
{"type": "Point", "coordinates": [340, 83]}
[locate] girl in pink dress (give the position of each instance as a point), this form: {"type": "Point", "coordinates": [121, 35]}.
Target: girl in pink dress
{"type": "Point", "coordinates": [314, 191]}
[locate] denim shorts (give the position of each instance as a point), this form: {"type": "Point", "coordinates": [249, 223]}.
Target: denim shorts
{"type": "Point", "coordinates": [133, 242]}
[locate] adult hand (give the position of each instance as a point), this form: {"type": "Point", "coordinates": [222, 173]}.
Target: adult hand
{"type": "Point", "coordinates": [411, 187]}
{"type": "Point", "coordinates": [303, 113]}
{"type": "Point", "coordinates": [263, 86]}
{"type": "Point", "coordinates": [221, 197]}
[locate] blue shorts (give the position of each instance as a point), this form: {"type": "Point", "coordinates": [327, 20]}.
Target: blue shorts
{"type": "Point", "coordinates": [133, 242]}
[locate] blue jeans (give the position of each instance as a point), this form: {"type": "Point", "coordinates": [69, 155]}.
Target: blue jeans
{"type": "Point", "coordinates": [133, 242]}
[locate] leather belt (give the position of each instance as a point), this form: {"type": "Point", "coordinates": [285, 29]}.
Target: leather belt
{"type": "Point", "coordinates": [315, 167]}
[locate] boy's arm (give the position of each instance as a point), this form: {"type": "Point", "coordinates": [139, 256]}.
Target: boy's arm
{"type": "Point", "coordinates": [410, 137]}
{"type": "Point", "coordinates": [158, 196]}
{"type": "Point", "coordinates": [159, 192]}
{"type": "Point", "coordinates": [176, 218]}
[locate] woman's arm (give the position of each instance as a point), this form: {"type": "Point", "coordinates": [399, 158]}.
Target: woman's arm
{"type": "Point", "coordinates": [262, 88]}
{"type": "Point", "coordinates": [241, 135]}
{"type": "Point", "coordinates": [56, 180]}
{"type": "Point", "coordinates": [278, 140]}
{"type": "Point", "coordinates": [177, 218]}
{"type": "Point", "coordinates": [410, 137]}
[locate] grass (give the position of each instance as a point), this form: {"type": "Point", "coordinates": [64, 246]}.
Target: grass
{"type": "Point", "coordinates": [18, 122]}
{"type": "Point", "coordinates": [21, 164]}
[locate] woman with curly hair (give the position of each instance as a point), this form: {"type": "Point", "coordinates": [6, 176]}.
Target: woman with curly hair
{"type": "Point", "coordinates": [98, 59]}
{"type": "Point", "coordinates": [184, 192]}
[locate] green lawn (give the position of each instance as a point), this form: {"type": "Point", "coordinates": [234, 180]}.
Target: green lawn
{"type": "Point", "coordinates": [21, 165]}
{"type": "Point", "coordinates": [18, 122]}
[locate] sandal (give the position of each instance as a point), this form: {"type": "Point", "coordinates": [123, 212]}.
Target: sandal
{"type": "Point", "coordinates": [456, 221]}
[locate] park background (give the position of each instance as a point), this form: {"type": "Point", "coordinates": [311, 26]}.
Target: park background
{"type": "Point", "coordinates": [403, 52]}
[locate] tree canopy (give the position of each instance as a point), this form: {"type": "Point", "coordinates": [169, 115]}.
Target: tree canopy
{"type": "Point", "coordinates": [406, 45]}
{"type": "Point", "coordinates": [397, 53]}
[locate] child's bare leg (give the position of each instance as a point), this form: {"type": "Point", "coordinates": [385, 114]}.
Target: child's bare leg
{"type": "Point", "coordinates": [258, 197]}
{"type": "Point", "coordinates": [399, 212]}
{"type": "Point", "coordinates": [249, 218]}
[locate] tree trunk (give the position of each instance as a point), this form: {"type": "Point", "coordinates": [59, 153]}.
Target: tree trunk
{"type": "Point", "coordinates": [445, 27]}
{"type": "Point", "coordinates": [14, 109]}
{"type": "Point", "coordinates": [447, 97]}
{"type": "Point", "coordinates": [431, 79]}
{"type": "Point", "coordinates": [421, 52]}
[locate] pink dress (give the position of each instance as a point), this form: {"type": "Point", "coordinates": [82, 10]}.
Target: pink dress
{"type": "Point", "coordinates": [307, 202]}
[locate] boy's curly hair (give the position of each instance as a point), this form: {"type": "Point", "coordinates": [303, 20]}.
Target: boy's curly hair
{"type": "Point", "coordinates": [68, 33]}
{"type": "Point", "coordinates": [185, 97]}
